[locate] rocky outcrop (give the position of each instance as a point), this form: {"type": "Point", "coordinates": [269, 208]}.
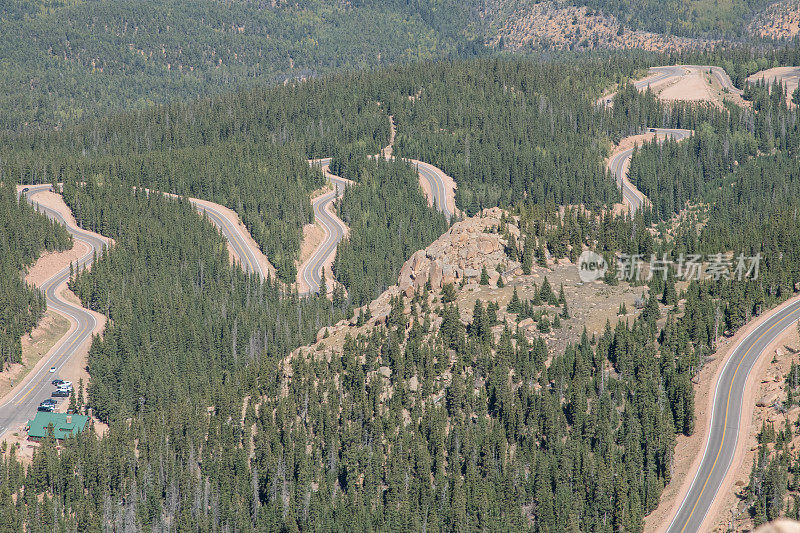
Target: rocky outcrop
{"type": "Point", "coordinates": [460, 254]}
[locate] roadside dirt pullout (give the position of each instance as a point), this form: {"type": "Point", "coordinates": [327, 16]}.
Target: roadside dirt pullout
{"type": "Point", "coordinates": [790, 76]}
{"type": "Point", "coordinates": [697, 83]}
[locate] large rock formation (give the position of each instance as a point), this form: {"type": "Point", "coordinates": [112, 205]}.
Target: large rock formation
{"type": "Point", "coordinates": [460, 254]}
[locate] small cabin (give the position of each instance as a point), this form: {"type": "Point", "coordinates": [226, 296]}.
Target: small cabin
{"type": "Point", "coordinates": [63, 425]}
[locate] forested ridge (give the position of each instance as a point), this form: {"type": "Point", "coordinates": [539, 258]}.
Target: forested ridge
{"type": "Point", "coordinates": [185, 325]}
{"type": "Point", "coordinates": [539, 123]}
{"type": "Point", "coordinates": [388, 219]}
{"type": "Point", "coordinates": [427, 421]}
{"type": "Point", "coordinates": [24, 234]}
{"type": "Point", "coordinates": [66, 60]}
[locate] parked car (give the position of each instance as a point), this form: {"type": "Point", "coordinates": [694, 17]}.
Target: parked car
{"type": "Point", "coordinates": [64, 383]}
{"type": "Point", "coordinates": [48, 405]}
{"type": "Point", "coordinates": [57, 382]}
{"type": "Point", "coordinates": [63, 393]}
{"type": "Point", "coordinates": [25, 189]}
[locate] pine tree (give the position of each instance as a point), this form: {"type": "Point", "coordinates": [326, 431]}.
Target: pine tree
{"type": "Point", "coordinates": [484, 276]}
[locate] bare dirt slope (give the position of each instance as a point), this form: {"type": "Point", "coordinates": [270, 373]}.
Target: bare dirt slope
{"type": "Point", "coordinates": [781, 20]}
{"type": "Point", "coordinates": [790, 76]}
{"type": "Point", "coordinates": [557, 25]}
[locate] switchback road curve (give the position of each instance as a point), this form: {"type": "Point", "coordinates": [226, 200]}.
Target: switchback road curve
{"type": "Point", "coordinates": [22, 406]}
{"type": "Point", "coordinates": [617, 166]}
{"type": "Point", "coordinates": [665, 73]}
{"type": "Point", "coordinates": [247, 256]}
{"type": "Point", "coordinates": [311, 270]}
{"type": "Point", "coordinates": [726, 413]}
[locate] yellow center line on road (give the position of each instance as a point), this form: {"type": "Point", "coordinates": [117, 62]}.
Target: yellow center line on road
{"type": "Point", "coordinates": [67, 350]}
{"type": "Point", "coordinates": [725, 420]}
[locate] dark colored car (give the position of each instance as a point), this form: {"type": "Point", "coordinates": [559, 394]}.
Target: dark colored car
{"type": "Point", "coordinates": [26, 189]}
{"type": "Point", "coordinates": [57, 382]}
{"type": "Point", "coordinates": [60, 393]}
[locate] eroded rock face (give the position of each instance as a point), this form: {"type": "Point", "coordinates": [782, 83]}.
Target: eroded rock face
{"type": "Point", "coordinates": [460, 254]}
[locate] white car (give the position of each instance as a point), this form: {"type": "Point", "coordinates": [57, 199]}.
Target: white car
{"type": "Point", "coordinates": [52, 369]}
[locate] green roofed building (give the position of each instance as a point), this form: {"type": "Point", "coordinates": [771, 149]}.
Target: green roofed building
{"type": "Point", "coordinates": [63, 424]}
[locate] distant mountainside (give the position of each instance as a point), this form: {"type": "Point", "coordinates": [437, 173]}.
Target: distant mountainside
{"type": "Point", "coordinates": [530, 25]}
{"type": "Point", "coordinates": [779, 21]}
{"type": "Point", "coordinates": [63, 59]}
{"type": "Point", "coordinates": [714, 19]}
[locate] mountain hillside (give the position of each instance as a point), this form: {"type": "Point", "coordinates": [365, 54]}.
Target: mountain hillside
{"type": "Point", "coordinates": [65, 59]}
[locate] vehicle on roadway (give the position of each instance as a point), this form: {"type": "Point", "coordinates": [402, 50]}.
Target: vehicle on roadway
{"type": "Point", "coordinates": [52, 369]}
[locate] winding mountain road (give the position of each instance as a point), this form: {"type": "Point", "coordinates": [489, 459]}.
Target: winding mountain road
{"type": "Point", "coordinates": [724, 428]}
{"type": "Point", "coordinates": [244, 251]}
{"type": "Point", "coordinates": [725, 418]}
{"type": "Point", "coordinates": [666, 73]}
{"type": "Point", "coordinates": [618, 165]}
{"type": "Point", "coordinates": [22, 406]}
{"type": "Point", "coordinates": [335, 229]}
{"type": "Point", "coordinates": [27, 396]}
{"type": "Point", "coordinates": [311, 270]}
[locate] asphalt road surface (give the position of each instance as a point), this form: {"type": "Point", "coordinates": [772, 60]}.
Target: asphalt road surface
{"type": "Point", "coordinates": [247, 257]}
{"type": "Point", "coordinates": [726, 412]}
{"type": "Point", "coordinates": [22, 406]}
{"type": "Point", "coordinates": [311, 271]}
{"type": "Point", "coordinates": [617, 166]}
{"type": "Point", "coordinates": [334, 229]}
{"type": "Point", "coordinates": [438, 190]}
